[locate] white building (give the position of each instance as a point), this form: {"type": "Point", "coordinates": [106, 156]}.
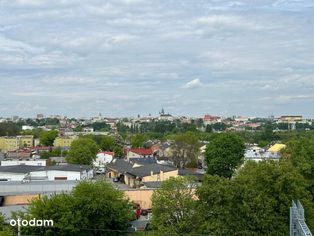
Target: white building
{"type": "Point", "coordinates": [27, 127]}
{"type": "Point", "coordinates": [32, 173]}
{"type": "Point", "coordinates": [23, 162]}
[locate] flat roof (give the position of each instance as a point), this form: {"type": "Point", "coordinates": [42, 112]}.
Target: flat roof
{"type": "Point", "coordinates": [23, 169]}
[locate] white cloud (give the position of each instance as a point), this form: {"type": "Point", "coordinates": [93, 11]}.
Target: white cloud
{"type": "Point", "coordinates": [227, 20]}
{"type": "Point", "coordinates": [30, 2]}
{"type": "Point", "coordinates": [195, 83]}
{"type": "Point", "coordinates": [65, 53]}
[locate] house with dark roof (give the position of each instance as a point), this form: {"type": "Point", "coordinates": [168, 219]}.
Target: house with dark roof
{"type": "Point", "coordinates": [135, 175]}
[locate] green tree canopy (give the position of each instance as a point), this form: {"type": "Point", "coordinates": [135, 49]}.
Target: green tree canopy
{"type": "Point", "coordinates": [255, 202]}
{"type": "Point", "coordinates": [118, 152]}
{"type": "Point", "coordinates": [174, 209]}
{"type": "Point", "coordinates": [48, 137]}
{"type": "Point", "coordinates": [83, 151]}
{"type": "Point", "coordinates": [224, 153]}
{"type": "Point", "coordinates": [9, 129]}
{"type": "Point", "coordinates": [107, 143]}
{"type": "Point", "coordinates": [92, 205]}
{"type": "Point", "coordinates": [138, 140]}
{"type": "Point", "coordinates": [184, 149]}
{"type": "Point", "coordinates": [300, 152]}
{"type": "Point", "coordinates": [5, 230]}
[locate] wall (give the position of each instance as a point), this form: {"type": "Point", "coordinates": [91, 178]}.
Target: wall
{"type": "Point", "coordinates": [51, 174]}
{"type": "Point", "coordinates": [140, 196]}
{"type": "Point", "coordinates": [19, 200]}
{"type": "Point", "coordinates": [112, 174]}
{"type": "Point", "coordinates": [64, 142]}
{"type": "Point", "coordinates": [28, 163]}
{"type": "Point", "coordinates": [160, 177]}
{"type": "Point", "coordinates": [12, 176]}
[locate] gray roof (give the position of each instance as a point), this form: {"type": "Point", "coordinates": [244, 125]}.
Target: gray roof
{"type": "Point", "coordinates": [123, 166]}
{"type": "Point", "coordinates": [191, 172]}
{"type": "Point", "coordinates": [23, 169]}
{"type": "Point", "coordinates": [120, 165]}
{"type": "Point", "coordinates": [146, 170]}
{"type": "Point", "coordinates": [143, 160]}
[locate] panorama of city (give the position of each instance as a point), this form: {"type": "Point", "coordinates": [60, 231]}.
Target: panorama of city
{"type": "Point", "coordinates": [156, 118]}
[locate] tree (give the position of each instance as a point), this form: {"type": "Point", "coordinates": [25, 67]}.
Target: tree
{"type": "Point", "coordinates": [47, 137]}
{"type": "Point", "coordinates": [300, 152]}
{"type": "Point", "coordinates": [93, 208]}
{"type": "Point", "coordinates": [219, 126]}
{"type": "Point", "coordinates": [98, 201]}
{"type": "Point", "coordinates": [107, 143]}
{"type": "Point", "coordinates": [184, 150]}
{"type": "Point", "coordinates": [100, 126]}
{"type": "Point", "coordinates": [9, 129]}
{"type": "Point", "coordinates": [255, 202]}
{"type": "Point", "coordinates": [118, 152]}
{"type": "Point", "coordinates": [174, 207]}
{"type": "Point", "coordinates": [83, 151]}
{"type": "Point", "coordinates": [224, 154]}
{"type": "Point", "coordinates": [138, 140]}
{"type": "Point", "coordinates": [283, 126]}
{"type": "Point", "coordinates": [267, 133]}
{"type": "Point", "coordinates": [5, 230]}
{"type": "Point", "coordinates": [209, 129]}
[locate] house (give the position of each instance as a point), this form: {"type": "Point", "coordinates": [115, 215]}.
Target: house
{"type": "Point", "coordinates": [135, 175]}
{"type": "Point", "coordinates": [64, 141]}
{"type": "Point", "coordinates": [59, 172]}
{"type": "Point", "coordinates": [257, 154]}
{"type": "Point", "coordinates": [143, 160]}
{"type": "Point", "coordinates": [20, 154]}
{"type": "Point", "coordinates": [290, 119]}
{"type": "Point", "coordinates": [138, 152]}
{"type": "Point", "coordinates": [13, 143]}
{"type": "Point", "coordinates": [208, 119]}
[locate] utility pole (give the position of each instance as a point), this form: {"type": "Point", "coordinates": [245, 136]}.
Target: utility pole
{"type": "Point", "coordinates": [18, 230]}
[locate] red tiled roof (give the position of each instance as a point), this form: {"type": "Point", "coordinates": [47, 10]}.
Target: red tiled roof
{"type": "Point", "coordinates": [210, 118]}
{"type": "Point", "coordinates": [141, 151]}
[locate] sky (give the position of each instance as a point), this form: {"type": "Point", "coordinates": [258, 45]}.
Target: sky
{"type": "Point", "coordinates": [120, 58]}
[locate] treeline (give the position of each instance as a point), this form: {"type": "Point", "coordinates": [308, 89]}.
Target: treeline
{"type": "Point", "coordinates": [97, 126]}
{"type": "Point", "coordinates": [40, 122]}
{"type": "Point", "coordinates": [159, 127]}
{"type": "Point", "coordinates": [249, 200]}
{"type": "Point", "coordinates": [9, 129]}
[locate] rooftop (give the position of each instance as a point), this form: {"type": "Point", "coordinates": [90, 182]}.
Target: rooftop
{"type": "Point", "coordinates": [23, 169]}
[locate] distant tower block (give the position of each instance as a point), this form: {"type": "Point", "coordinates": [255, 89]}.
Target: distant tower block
{"type": "Point", "coordinates": [298, 226]}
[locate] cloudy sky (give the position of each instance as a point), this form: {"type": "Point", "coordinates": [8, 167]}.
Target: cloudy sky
{"type": "Point", "coordinates": [129, 57]}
